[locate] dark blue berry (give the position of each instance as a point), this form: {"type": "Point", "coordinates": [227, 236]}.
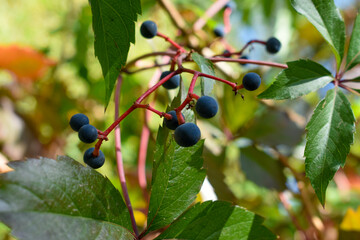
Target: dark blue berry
{"type": "Point", "coordinates": [230, 4]}
{"type": "Point", "coordinates": [93, 161]}
{"type": "Point", "coordinates": [206, 107]}
{"type": "Point", "coordinates": [78, 120]}
{"type": "Point", "coordinates": [173, 82]}
{"type": "Point", "coordinates": [187, 134]}
{"type": "Point", "coordinates": [173, 123]}
{"type": "Point", "coordinates": [148, 29]}
{"type": "Point", "coordinates": [273, 45]}
{"type": "Point", "coordinates": [243, 57]}
{"type": "Point", "coordinates": [88, 133]}
{"type": "Point", "coordinates": [251, 81]}
{"type": "Point", "coordinates": [219, 31]}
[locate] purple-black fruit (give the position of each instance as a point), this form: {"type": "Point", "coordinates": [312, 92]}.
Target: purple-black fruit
{"type": "Point", "coordinates": [206, 107]}
{"type": "Point", "coordinates": [148, 29]}
{"type": "Point", "coordinates": [251, 81]}
{"type": "Point", "coordinates": [78, 120]}
{"type": "Point", "coordinates": [187, 134]}
{"type": "Point", "coordinates": [94, 161]}
{"type": "Point", "coordinates": [173, 123]}
{"type": "Point", "coordinates": [173, 82]}
{"type": "Point", "coordinates": [88, 133]}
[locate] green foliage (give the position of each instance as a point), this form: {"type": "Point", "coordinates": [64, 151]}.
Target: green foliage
{"type": "Point", "coordinates": [217, 220]}
{"type": "Point", "coordinates": [300, 78]}
{"type": "Point", "coordinates": [50, 199]}
{"type": "Point", "coordinates": [330, 133]}
{"type": "Point", "coordinates": [206, 66]}
{"type": "Point", "coordinates": [262, 169]}
{"type": "Point", "coordinates": [114, 29]}
{"type": "Point", "coordinates": [324, 15]}
{"type": "Point", "coordinates": [176, 179]}
{"type": "Point", "coordinates": [353, 57]}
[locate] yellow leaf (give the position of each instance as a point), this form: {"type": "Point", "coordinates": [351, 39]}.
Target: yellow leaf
{"type": "Point", "coordinates": [351, 221]}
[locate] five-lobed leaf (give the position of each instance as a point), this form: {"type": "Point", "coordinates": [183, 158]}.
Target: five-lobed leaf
{"type": "Point", "coordinates": [353, 56]}
{"type": "Point", "coordinates": [324, 15]}
{"type": "Point", "coordinates": [114, 29]}
{"type": "Point", "coordinates": [206, 66]}
{"type": "Point", "coordinates": [217, 220]}
{"type": "Point", "coordinates": [177, 178]}
{"type": "Point", "coordinates": [300, 78]}
{"type": "Point", "coordinates": [61, 199]}
{"type": "Point", "coordinates": [330, 134]}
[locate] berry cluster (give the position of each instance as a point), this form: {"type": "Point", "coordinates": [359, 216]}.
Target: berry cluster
{"type": "Point", "coordinates": [186, 134]}
{"type": "Point", "coordinates": [87, 134]}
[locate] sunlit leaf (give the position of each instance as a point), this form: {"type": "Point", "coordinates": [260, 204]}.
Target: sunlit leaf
{"type": "Point", "coordinates": [330, 134]}
{"type": "Point", "coordinates": [61, 199]}
{"type": "Point", "coordinates": [324, 15]}
{"type": "Point", "coordinates": [25, 63]}
{"type": "Point", "coordinates": [353, 56]}
{"type": "Point", "coordinates": [300, 78]}
{"type": "Point", "coordinates": [217, 220]}
{"type": "Point", "coordinates": [177, 178]}
{"type": "Point", "coordinates": [114, 29]}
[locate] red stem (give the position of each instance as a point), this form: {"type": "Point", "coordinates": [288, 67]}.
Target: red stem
{"type": "Point", "coordinates": [144, 141]}
{"type": "Point", "coordinates": [168, 39]}
{"type": "Point", "coordinates": [227, 25]}
{"type": "Point", "coordinates": [119, 161]}
{"type": "Point", "coordinates": [188, 99]}
{"type": "Point", "coordinates": [231, 84]}
{"type": "Point", "coordinates": [264, 63]}
{"type": "Point", "coordinates": [147, 106]}
{"type": "Point", "coordinates": [178, 71]}
{"type": "Point", "coordinates": [248, 44]}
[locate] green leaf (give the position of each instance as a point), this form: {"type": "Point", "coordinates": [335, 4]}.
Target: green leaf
{"type": "Point", "coordinates": [330, 134]}
{"type": "Point", "coordinates": [286, 132]}
{"type": "Point", "coordinates": [61, 199]}
{"type": "Point", "coordinates": [324, 15]}
{"type": "Point", "coordinates": [353, 57]}
{"type": "Point", "coordinates": [177, 178]}
{"type": "Point", "coordinates": [114, 29]}
{"type": "Point", "coordinates": [217, 220]}
{"type": "Point", "coordinates": [300, 78]}
{"type": "Point", "coordinates": [262, 169]}
{"type": "Point", "coordinates": [207, 67]}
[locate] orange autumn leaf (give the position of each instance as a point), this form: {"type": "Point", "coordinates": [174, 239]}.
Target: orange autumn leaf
{"type": "Point", "coordinates": [24, 62]}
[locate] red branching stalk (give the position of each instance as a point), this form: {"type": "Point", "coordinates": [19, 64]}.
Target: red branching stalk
{"type": "Point", "coordinates": [119, 161]}
{"type": "Point", "coordinates": [349, 89]}
{"type": "Point", "coordinates": [141, 168]}
{"type": "Point", "coordinates": [243, 49]}
{"type": "Point", "coordinates": [147, 106]}
{"type": "Point", "coordinates": [171, 42]}
{"type": "Point", "coordinates": [200, 74]}
{"type": "Point", "coordinates": [188, 99]}
{"type": "Point", "coordinates": [180, 56]}
{"type": "Point", "coordinates": [227, 25]}
{"type": "Point", "coordinates": [144, 141]}
{"type": "Point", "coordinates": [248, 44]}
{"type": "Point", "coordinates": [264, 63]}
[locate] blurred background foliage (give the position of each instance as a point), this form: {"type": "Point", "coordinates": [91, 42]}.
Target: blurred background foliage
{"type": "Point", "coordinates": [49, 72]}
